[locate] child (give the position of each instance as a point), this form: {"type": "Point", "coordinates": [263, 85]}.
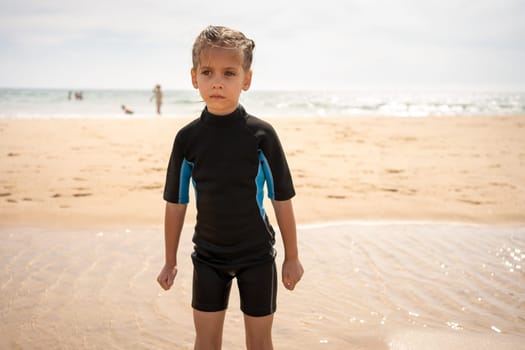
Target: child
{"type": "Point", "coordinates": [230, 155]}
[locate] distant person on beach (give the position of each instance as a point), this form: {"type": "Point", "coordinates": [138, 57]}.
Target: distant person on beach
{"type": "Point", "coordinates": [126, 110]}
{"type": "Point", "coordinates": [79, 95]}
{"type": "Point", "coordinates": [229, 154]}
{"type": "Point", "coordinates": [157, 95]}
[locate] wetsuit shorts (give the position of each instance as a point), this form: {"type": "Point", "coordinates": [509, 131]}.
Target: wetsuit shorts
{"type": "Point", "coordinates": [257, 285]}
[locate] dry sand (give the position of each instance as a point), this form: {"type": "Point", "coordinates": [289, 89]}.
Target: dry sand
{"type": "Point", "coordinates": [111, 172]}
{"type": "Point", "coordinates": [81, 240]}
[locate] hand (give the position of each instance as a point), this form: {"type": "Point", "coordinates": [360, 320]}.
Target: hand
{"type": "Point", "coordinates": [292, 273]}
{"type": "Point", "coordinates": [167, 276]}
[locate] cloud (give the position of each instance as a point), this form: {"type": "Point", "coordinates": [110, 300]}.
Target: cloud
{"type": "Point", "coordinates": [315, 44]}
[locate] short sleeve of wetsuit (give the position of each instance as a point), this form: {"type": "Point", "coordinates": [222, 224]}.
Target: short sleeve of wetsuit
{"type": "Point", "coordinates": [176, 189]}
{"type": "Point", "coordinates": [278, 176]}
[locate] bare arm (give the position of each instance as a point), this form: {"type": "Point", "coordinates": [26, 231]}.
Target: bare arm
{"type": "Point", "coordinates": [173, 222]}
{"type": "Point", "coordinates": [292, 268]}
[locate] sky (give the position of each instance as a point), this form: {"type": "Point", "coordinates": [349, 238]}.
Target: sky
{"type": "Point", "coordinates": [300, 45]}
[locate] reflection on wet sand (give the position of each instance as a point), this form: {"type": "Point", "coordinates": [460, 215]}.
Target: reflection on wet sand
{"type": "Point", "coordinates": [367, 285]}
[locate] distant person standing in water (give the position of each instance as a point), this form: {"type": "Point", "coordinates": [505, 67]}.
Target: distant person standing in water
{"type": "Point", "coordinates": [157, 95]}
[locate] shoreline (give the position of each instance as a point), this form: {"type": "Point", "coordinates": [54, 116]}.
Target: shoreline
{"type": "Point", "coordinates": [301, 226]}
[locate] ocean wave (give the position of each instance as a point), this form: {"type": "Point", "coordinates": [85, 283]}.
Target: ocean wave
{"type": "Point", "coordinates": [54, 103]}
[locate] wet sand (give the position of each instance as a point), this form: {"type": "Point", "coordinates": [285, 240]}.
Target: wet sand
{"type": "Point", "coordinates": [367, 286]}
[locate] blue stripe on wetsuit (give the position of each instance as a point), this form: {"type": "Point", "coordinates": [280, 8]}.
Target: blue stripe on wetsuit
{"type": "Point", "coordinates": [264, 174]}
{"type": "Point", "coordinates": [186, 169]}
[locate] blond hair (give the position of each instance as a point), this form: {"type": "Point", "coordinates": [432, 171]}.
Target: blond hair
{"type": "Point", "coordinates": [226, 38]}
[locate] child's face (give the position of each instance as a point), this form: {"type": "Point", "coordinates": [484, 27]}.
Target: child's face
{"type": "Point", "coordinates": [220, 79]}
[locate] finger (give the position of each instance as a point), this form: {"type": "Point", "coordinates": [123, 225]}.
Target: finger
{"type": "Point", "coordinates": [169, 281]}
{"type": "Point", "coordinates": [286, 280]}
{"type": "Point", "coordinates": [288, 283]}
{"type": "Point", "coordinates": [163, 282]}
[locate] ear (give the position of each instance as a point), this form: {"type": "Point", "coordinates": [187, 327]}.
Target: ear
{"type": "Point", "coordinates": [194, 78]}
{"type": "Point", "coordinates": [247, 81]}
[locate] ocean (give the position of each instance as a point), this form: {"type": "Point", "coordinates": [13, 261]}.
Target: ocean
{"type": "Point", "coordinates": [55, 103]}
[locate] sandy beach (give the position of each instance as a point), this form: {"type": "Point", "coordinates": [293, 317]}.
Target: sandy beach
{"type": "Point", "coordinates": [411, 230]}
{"type": "Point", "coordinates": [111, 172]}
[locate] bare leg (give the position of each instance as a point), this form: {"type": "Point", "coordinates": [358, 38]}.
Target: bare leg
{"type": "Point", "coordinates": [208, 328]}
{"type": "Point", "coordinates": [258, 332]}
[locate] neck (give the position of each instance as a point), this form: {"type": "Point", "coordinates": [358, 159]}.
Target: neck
{"type": "Point", "coordinates": [221, 113]}
{"type": "Point", "coordinates": [225, 119]}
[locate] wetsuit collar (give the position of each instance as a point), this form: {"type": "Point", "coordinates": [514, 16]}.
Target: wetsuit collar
{"type": "Point", "coordinates": [222, 120]}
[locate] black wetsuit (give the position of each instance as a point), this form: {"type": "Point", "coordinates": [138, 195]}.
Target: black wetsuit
{"type": "Point", "coordinates": [229, 159]}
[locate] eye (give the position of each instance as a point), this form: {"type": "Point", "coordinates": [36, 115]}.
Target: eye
{"type": "Point", "coordinates": [205, 72]}
{"type": "Point", "coordinates": [230, 74]}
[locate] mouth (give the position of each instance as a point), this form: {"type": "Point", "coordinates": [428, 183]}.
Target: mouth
{"type": "Point", "coordinates": [216, 97]}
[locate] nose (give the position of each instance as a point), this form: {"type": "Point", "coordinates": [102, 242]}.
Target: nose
{"type": "Point", "coordinates": [217, 82]}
